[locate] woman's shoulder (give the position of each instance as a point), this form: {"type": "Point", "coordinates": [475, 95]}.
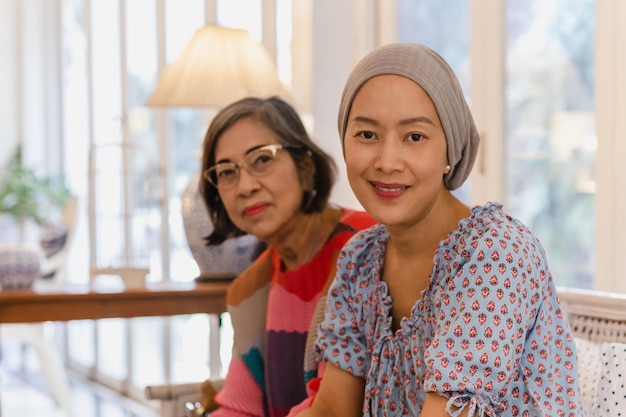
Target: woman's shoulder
{"type": "Point", "coordinates": [490, 220]}
{"type": "Point", "coordinates": [489, 229]}
{"type": "Point", "coordinates": [254, 278]}
{"type": "Point", "coordinates": [369, 241]}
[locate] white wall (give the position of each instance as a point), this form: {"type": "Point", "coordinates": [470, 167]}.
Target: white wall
{"type": "Point", "coordinates": [611, 130]}
{"type": "Point", "coordinates": [8, 74]}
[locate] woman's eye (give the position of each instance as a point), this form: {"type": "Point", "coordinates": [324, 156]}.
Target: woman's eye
{"type": "Point", "coordinates": [225, 173]}
{"type": "Point", "coordinates": [367, 135]}
{"type": "Point", "coordinates": [415, 137]}
{"type": "Point", "coordinates": [262, 159]}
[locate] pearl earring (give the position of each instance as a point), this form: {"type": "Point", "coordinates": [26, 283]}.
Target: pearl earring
{"type": "Point", "coordinates": [447, 169]}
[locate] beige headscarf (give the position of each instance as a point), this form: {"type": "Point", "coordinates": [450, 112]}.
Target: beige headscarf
{"type": "Point", "coordinates": [424, 66]}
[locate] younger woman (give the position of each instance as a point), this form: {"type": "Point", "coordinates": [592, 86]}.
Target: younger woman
{"type": "Point", "coordinates": [442, 309]}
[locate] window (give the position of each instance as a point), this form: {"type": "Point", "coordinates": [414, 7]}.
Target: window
{"type": "Point", "coordinates": [550, 142]}
{"type": "Point", "coordinates": [111, 68]}
{"type": "Point", "coordinates": [551, 133]}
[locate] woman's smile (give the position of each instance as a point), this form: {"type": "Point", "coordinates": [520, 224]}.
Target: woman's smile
{"type": "Point", "coordinates": [388, 191]}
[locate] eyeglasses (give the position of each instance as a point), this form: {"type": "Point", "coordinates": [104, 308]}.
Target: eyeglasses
{"type": "Point", "coordinates": [257, 163]}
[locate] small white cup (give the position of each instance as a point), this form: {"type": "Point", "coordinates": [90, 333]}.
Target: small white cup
{"type": "Point", "coordinates": [133, 277]}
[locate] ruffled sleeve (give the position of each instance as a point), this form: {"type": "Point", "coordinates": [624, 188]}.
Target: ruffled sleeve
{"type": "Point", "coordinates": [490, 283]}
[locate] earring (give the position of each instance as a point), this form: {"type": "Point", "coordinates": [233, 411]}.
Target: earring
{"type": "Point", "coordinates": [447, 169]}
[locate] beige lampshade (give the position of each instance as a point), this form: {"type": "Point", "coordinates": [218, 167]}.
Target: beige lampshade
{"type": "Point", "coordinates": [218, 66]}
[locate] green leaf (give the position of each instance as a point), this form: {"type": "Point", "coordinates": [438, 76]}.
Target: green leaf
{"type": "Point", "coordinates": [24, 195]}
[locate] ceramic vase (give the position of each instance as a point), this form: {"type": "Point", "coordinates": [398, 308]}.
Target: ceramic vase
{"type": "Point", "coordinates": [218, 261]}
{"type": "Point", "coordinates": [20, 265]}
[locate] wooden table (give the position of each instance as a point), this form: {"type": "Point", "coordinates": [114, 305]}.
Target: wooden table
{"type": "Point", "coordinates": [52, 302]}
{"type": "Point", "coordinates": [64, 303]}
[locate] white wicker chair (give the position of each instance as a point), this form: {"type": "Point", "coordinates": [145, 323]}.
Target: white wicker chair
{"type": "Point", "coordinates": [598, 323]}
{"type": "Point", "coordinates": [596, 316]}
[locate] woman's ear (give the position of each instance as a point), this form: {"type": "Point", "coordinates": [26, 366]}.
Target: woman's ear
{"type": "Point", "coordinates": [307, 179]}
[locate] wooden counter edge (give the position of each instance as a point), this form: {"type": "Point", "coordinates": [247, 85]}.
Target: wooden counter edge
{"type": "Point", "coordinates": [28, 306]}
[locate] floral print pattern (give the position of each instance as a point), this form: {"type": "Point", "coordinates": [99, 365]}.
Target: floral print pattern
{"type": "Point", "coordinates": [488, 332]}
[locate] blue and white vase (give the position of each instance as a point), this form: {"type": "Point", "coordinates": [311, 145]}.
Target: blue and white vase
{"type": "Point", "coordinates": [228, 259]}
{"type": "Point", "coordinates": [20, 265]}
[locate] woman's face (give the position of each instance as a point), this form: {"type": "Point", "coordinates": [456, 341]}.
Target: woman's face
{"type": "Point", "coordinates": [259, 205]}
{"type": "Point", "coordinates": [395, 150]}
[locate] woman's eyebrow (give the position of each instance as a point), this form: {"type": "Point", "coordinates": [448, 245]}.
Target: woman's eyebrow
{"type": "Point", "coordinates": [417, 119]}
{"type": "Point", "coordinates": [254, 148]}
{"type": "Point", "coordinates": [364, 119]}
{"type": "Point", "coordinates": [249, 151]}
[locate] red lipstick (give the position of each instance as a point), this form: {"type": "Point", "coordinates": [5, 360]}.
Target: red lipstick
{"type": "Point", "coordinates": [255, 209]}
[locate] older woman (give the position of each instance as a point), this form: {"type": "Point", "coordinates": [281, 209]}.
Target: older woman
{"type": "Point", "coordinates": [263, 175]}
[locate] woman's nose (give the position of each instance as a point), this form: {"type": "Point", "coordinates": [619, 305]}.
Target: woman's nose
{"type": "Point", "coordinates": [246, 183]}
{"type": "Point", "coordinates": [389, 156]}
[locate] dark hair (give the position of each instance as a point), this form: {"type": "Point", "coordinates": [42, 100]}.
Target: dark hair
{"type": "Point", "coordinates": [282, 119]}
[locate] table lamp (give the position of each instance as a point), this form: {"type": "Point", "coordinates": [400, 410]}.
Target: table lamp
{"type": "Point", "coordinates": [218, 66]}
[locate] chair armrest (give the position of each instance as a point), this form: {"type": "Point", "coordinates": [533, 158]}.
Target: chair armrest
{"type": "Point", "coordinates": [171, 391]}
{"type": "Point", "coordinates": [174, 396]}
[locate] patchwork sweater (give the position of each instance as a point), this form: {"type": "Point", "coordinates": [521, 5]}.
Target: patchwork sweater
{"type": "Point", "coordinates": [275, 313]}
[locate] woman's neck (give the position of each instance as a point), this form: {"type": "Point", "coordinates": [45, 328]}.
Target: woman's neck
{"type": "Point", "coordinates": [305, 241]}
{"type": "Point", "coordinates": [424, 237]}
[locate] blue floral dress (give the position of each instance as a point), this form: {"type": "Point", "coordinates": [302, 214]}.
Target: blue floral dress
{"type": "Point", "coordinates": [488, 332]}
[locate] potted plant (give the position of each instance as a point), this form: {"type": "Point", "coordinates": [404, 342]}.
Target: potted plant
{"type": "Point", "coordinates": [26, 197]}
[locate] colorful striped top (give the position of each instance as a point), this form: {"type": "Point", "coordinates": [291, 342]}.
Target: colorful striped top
{"type": "Point", "coordinates": [273, 310]}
